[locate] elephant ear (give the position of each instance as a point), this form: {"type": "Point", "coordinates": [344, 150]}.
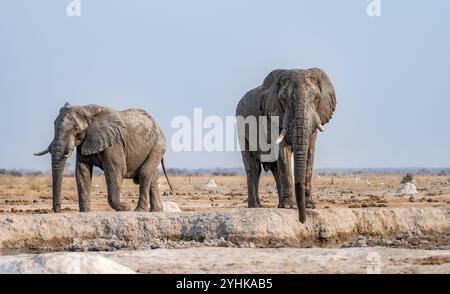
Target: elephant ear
{"type": "Point", "coordinates": [275, 94]}
{"type": "Point", "coordinates": [105, 130]}
{"type": "Point", "coordinates": [327, 103]}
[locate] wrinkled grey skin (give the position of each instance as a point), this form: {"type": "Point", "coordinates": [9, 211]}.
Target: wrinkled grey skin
{"type": "Point", "coordinates": [124, 144]}
{"type": "Point", "coordinates": [304, 100]}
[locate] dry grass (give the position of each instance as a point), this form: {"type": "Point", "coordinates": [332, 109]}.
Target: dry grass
{"type": "Point", "coordinates": [33, 194]}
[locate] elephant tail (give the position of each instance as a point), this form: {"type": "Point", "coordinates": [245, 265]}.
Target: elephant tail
{"type": "Point", "coordinates": [165, 173]}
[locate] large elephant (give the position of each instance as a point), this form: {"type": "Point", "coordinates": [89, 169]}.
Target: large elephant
{"type": "Point", "coordinates": [303, 100]}
{"type": "Point", "coordinates": [124, 144]}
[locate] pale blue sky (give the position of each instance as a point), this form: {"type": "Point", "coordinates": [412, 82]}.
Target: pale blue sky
{"type": "Point", "coordinates": [391, 73]}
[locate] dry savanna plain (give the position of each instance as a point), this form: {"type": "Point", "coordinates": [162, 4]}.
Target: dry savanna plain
{"type": "Point", "coordinates": [32, 194]}
{"type": "Point", "coordinates": [361, 225]}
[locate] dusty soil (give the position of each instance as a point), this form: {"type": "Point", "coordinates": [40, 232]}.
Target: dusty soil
{"type": "Point", "coordinates": [284, 260]}
{"type": "Point", "coordinates": [215, 233]}
{"type": "Point", "coordinates": [32, 195]}
{"type": "Point", "coordinates": [372, 260]}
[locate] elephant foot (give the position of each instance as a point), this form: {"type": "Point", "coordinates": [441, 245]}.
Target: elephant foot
{"type": "Point", "coordinates": [140, 209]}
{"type": "Point", "coordinates": [119, 206]}
{"type": "Point", "coordinates": [84, 208]}
{"type": "Point", "coordinates": [288, 204]}
{"type": "Point", "coordinates": [158, 209]}
{"type": "Point", "coordinates": [254, 205]}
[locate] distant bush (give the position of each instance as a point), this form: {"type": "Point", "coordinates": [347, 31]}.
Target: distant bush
{"type": "Point", "coordinates": [408, 178]}
{"type": "Point", "coordinates": [20, 173]}
{"type": "Point", "coordinates": [11, 172]}
{"type": "Point", "coordinates": [442, 173]}
{"type": "Point", "coordinates": [36, 173]}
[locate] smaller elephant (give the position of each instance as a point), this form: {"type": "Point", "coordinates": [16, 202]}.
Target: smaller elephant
{"type": "Point", "coordinates": [124, 144]}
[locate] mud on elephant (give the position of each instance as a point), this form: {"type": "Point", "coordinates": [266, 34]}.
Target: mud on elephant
{"type": "Point", "coordinates": [304, 101]}
{"type": "Point", "coordinates": [124, 144]}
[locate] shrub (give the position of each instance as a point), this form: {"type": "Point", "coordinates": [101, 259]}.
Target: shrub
{"type": "Point", "coordinates": [408, 178]}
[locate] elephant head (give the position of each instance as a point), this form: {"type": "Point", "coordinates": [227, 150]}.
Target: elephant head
{"type": "Point", "coordinates": [306, 100]}
{"type": "Point", "coordinates": [93, 128]}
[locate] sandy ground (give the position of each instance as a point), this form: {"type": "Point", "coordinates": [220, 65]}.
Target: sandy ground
{"type": "Point", "coordinates": [369, 260]}
{"type": "Point", "coordinates": [284, 260]}
{"type": "Point", "coordinates": [363, 200]}
{"type": "Point", "coordinates": [33, 194]}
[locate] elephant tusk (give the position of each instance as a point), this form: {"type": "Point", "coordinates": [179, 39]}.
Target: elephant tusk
{"type": "Point", "coordinates": [281, 136]}
{"type": "Point", "coordinates": [320, 127]}
{"type": "Point", "coordinates": [42, 152]}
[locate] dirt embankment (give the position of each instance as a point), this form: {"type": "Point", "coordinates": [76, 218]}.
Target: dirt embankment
{"type": "Point", "coordinates": [233, 228]}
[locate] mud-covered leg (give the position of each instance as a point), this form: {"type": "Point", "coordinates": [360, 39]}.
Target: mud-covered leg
{"type": "Point", "coordinates": [253, 171]}
{"type": "Point", "coordinates": [309, 171]}
{"type": "Point", "coordinates": [83, 175]}
{"type": "Point", "coordinates": [276, 176]}
{"type": "Point", "coordinates": [149, 172]}
{"type": "Point", "coordinates": [256, 178]}
{"type": "Point", "coordinates": [285, 195]}
{"type": "Point", "coordinates": [155, 199]}
{"type": "Point", "coordinates": [144, 191]}
{"type": "Point", "coordinates": [114, 166]}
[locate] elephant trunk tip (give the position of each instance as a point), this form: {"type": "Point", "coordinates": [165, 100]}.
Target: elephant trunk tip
{"type": "Point", "coordinates": [42, 152]}
{"type": "Point", "coordinates": [300, 195]}
{"type": "Point", "coordinates": [57, 208]}
{"type": "Point", "coordinates": [302, 218]}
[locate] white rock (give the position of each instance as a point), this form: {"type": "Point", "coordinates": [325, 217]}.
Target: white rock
{"type": "Point", "coordinates": [170, 207]}
{"type": "Point", "coordinates": [210, 184]}
{"type": "Point", "coordinates": [361, 242]}
{"type": "Point", "coordinates": [357, 180]}
{"type": "Point", "coordinates": [61, 263]}
{"type": "Point", "coordinates": [407, 188]}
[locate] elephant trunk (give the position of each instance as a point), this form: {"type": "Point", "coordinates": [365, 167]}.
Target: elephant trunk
{"type": "Point", "coordinates": [58, 163]}
{"type": "Point", "coordinates": [300, 144]}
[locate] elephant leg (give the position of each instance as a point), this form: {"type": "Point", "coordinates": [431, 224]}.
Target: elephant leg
{"type": "Point", "coordinates": [309, 171]}
{"type": "Point", "coordinates": [114, 166]}
{"type": "Point", "coordinates": [155, 199]}
{"type": "Point", "coordinates": [144, 191]}
{"type": "Point", "coordinates": [253, 171]}
{"type": "Point", "coordinates": [83, 175]}
{"type": "Point", "coordinates": [147, 177]}
{"type": "Point", "coordinates": [285, 194]}
{"type": "Point", "coordinates": [276, 176]}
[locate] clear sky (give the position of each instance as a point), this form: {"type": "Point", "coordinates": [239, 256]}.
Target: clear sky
{"type": "Point", "coordinates": [391, 73]}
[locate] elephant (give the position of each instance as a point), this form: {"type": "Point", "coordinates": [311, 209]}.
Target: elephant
{"type": "Point", "coordinates": [125, 144]}
{"type": "Point", "coordinates": [303, 101]}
